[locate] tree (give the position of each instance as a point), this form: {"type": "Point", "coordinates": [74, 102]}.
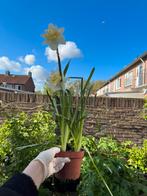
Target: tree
{"type": "Point", "coordinates": [96, 85]}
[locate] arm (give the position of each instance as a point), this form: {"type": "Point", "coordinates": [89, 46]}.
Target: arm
{"type": "Point", "coordinates": [19, 185]}
{"type": "Point", "coordinates": [27, 183]}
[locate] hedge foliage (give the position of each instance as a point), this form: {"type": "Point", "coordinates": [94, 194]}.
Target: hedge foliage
{"type": "Point", "coordinates": [22, 137]}
{"type": "Point", "coordinates": [121, 166]}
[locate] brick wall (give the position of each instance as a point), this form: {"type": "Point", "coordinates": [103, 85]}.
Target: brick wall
{"type": "Point", "coordinates": [118, 117]}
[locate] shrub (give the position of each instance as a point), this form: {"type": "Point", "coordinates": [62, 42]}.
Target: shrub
{"type": "Point", "coordinates": [145, 110]}
{"type": "Point", "coordinates": [138, 158]}
{"type": "Point", "coordinates": [107, 168]}
{"type": "Point", "coordinates": [22, 137]}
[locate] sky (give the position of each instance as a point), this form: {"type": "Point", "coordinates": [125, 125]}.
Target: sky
{"type": "Point", "coordinates": [105, 34]}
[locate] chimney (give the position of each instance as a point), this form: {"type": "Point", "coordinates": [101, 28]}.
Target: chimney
{"type": "Point", "coordinates": [7, 73]}
{"type": "Point", "coordinates": [30, 73]}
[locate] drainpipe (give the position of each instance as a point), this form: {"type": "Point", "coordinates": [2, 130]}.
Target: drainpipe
{"type": "Point", "coordinates": [144, 68]}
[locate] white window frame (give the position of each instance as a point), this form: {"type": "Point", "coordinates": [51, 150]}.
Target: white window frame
{"type": "Point", "coordinates": [9, 86]}
{"type": "Point", "coordinates": [17, 87]}
{"type": "Point", "coordinates": [109, 87]}
{"type": "Point", "coordinates": [138, 75]}
{"type": "Point", "coordinates": [118, 83]}
{"type": "Point", "coordinates": [128, 78]}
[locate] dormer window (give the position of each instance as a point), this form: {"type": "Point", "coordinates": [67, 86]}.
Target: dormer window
{"type": "Point", "coordinates": [18, 87]}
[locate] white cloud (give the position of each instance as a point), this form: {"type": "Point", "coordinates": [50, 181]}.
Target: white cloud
{"type": "Point", "coordinates": [39, 75]}
{"type": "Point", "coordinates": [69, 50]}
{"type": "Point", "coordinates": [29, 59]}
{"type": "Point", "coordinates": [38, 72]}
{"type": "Point", "coordinates": [7, 64]}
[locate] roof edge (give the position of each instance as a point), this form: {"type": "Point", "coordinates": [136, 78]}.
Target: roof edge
{"type": "Point", "coordinates": [125, 69]}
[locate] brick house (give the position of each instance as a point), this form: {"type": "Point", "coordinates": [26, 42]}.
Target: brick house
{"type": "Point", "coordinates": [11, 82]}
{"type": "Point", "coordinates": [129, 82]}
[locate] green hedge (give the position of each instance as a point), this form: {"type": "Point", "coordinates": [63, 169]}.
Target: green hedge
{"type": "Point", "coordinates": [22, 137]}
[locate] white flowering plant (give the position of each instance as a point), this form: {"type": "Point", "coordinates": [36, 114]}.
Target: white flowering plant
{"type": "Point", "coordinates": [69, 114]}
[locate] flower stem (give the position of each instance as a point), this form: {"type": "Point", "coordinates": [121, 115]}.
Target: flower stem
{"type": "Point", "coordinates": [59, 64]}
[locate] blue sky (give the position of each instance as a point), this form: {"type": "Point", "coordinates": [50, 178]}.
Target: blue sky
{"type": "Point", "coordinates": [108, 33]}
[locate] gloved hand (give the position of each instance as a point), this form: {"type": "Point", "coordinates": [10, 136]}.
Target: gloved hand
{"type": "Point", "coordinates": [51, 165]}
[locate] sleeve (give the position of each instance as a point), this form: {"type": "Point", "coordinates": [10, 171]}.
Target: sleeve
{"type": "Point", "coordinates": [19, 185]}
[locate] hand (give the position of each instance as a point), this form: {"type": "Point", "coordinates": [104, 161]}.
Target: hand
{"type": "Point", "coordinates": [51, 165]}
{"type": "Point", "coordinates": [44, 165]}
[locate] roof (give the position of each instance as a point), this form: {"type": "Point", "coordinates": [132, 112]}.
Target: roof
{"type": "Point", "coordinates": [144, 55]}
{"type": "Point", "coordinates": [14, 79]}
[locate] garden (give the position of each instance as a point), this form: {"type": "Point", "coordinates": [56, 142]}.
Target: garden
{"type": "Point", "coordinates": [108, 167]}
{"type": "Point", "coordinates": [105, 166]}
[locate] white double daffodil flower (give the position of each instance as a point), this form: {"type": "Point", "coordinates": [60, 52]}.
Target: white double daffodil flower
{"type": "Point", "coordinates": [54, 36]}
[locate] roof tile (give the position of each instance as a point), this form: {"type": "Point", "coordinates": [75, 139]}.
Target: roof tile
{"type": "Point", "coordinates": [14, 79]}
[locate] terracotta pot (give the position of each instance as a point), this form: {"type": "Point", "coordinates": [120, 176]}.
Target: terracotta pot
{"type": "Point", "coordinates": [71, 171]}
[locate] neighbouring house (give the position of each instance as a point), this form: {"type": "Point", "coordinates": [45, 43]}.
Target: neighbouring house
{"type": "Point", "coordinates": [129, 82]}
{"type": "Point", "coordinates": [11, 82]}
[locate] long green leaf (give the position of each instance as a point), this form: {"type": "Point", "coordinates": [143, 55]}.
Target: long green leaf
{"type": "Point", "coordinates": [98, 172]}
{"type": "Point", "coordinates": [66, 68]}
{"type": "Point", "coordinates": [30, 146]}
{"type": "Point", "coordinates": [88, 80]}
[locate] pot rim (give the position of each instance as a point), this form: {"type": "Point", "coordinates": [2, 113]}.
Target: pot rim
{"type": "Point", "coordinates": [71, 154]}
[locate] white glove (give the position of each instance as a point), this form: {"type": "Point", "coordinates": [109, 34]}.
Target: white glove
{"type": "Point", "coordinates": [51, 165]}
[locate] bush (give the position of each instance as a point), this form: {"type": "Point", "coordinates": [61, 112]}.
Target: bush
{"type": "Point", "coordinates": [108, 168]}
{"type": "Point", "coordinates": [22, 137]}
{"type": "Point", "coordinates": [138, 158]}
{"type": "Point", "coordinates": [145, 110]}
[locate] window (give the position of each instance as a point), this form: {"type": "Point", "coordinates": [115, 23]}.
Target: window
{"type": "Point", "coordinates": [139, 78]}
{"type": "Point", "coordinates": [106, 89]}
{"type": "Point", "coordinates": [109, 87]}
{"type": "Point", "coordinates": [9, 86]}
{"type": "Point", "coordinates": [5, 85]}
{"type": "Point", "coordinates": [18, 87]}
{"type": "Point", "coordinates": [118, 83]}
{"type": "Point", "coordinates": [128, 79]}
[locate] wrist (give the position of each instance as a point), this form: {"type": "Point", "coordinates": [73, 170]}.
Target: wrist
{"type": "Point", "coordinates": [44, 167]}
{"type": "Point", "coordinates": [35, 170]}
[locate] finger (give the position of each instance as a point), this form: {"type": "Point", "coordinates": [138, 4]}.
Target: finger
{"type": "Point", "coordinates": [66, 160]}
{"type": "Point", "coordinates": [60, 162]}
{"type": "Point", "coordinates": [52, 152]}
{"type": "Point", "coordinates": [58, 167]}
{"type": "Point", "coordinates": [57, 164]}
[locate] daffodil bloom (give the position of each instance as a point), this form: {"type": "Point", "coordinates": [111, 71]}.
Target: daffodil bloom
{"type": "Point", "coordinates": [54, 36]}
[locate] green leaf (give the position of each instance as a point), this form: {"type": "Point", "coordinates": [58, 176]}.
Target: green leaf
{"type": "Point", "coordinates": [66, 68]}
{"type": "Point", "coordinates": [88, 80]}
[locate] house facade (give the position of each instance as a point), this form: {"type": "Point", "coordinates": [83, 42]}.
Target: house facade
{"type": "Point", "coordinates": [132, 79]}
{"type": "Point", "coordinates": [11, 82]}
